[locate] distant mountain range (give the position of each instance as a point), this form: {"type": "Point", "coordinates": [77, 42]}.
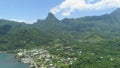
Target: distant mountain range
{"type": "Point", "coordinates": [45, 32]}
{"type": "Point", "coordinates": [105, 23]}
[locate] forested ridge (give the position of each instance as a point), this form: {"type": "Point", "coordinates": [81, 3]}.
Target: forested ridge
{"type": "Point", "coordinates": [97, 36]}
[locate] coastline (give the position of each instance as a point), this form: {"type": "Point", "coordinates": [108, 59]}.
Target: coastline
{"type": "Point", "coordinates": [3, 52]}
{"type": "Point", "coordinates": [13, 62]}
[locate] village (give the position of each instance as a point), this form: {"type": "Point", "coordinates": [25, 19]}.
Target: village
{"type": "Point", "coordinates": [42, 58]}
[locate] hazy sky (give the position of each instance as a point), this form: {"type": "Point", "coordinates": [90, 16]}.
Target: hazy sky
{"type": "Point", "coordinates": [31, 10]}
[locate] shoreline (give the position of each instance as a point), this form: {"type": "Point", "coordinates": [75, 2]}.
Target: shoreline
{"type": "Point", "coordinates": [3, 52]}
{"type": "Point", "coordinates": [15, 56]}
{"type": "Point", "coordinates": [13, 59]}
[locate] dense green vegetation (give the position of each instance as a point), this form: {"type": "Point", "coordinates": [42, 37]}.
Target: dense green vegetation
{"type": "Point", "coordinates": [98, 37]}
{"type": "Point", "coordinates": [104, 54]}
{"type": "Point", "coordinates": [22, 38]}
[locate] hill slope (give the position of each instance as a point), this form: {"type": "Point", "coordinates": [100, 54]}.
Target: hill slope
{"type": "Point", "coordinates": [69, 31]}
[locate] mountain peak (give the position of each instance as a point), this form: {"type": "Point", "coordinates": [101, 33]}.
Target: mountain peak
{"type": "Point", "coordinates": [50, 14]}
{"type": "Point", "coordinates": [51, 17]}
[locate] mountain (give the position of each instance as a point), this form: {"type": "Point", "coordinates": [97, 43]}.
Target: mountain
{"type": "Point", "coordinates": [116, 15]}
{"type": "Point", "coordinates": [23, 38]}
{"type": "Point", "coordinates": [106, 18]}
{"type": "Point", "coordinates": [51, 17]}
{"type": "Point", "coordinates": [51, 25]}
{"type": "Point", "coordinates": [93, 40]}
{"type": "Point", "coordinates": [69, 31]}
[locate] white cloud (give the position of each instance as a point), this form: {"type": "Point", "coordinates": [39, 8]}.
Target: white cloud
{"type": "Point", "coordinates": [69, 6]}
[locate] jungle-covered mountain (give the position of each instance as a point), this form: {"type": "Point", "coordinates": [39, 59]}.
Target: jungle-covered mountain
{"type": "Point", "coordinates": [69, 31]}
{"type": "Point", "coordinates": [95, 36]}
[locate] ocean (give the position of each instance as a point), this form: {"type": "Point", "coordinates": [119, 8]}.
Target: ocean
{"type": "Point", "coordinates": [8, 61]}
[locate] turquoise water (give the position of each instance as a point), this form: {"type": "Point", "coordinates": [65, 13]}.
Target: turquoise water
{"type": "Point", "coordinates": [8, 61]}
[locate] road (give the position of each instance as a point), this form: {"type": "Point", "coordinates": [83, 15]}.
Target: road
{"type": "Point", "coordinates": [33, 61]}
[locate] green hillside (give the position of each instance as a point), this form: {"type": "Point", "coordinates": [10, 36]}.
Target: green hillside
{"type": "Point", "coordinates": [96, 36]}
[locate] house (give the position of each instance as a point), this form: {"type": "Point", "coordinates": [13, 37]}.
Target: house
{"type": "Point", "coordinates": [20, 54]}
{"type": "Point", "coordinates": [25, 60]}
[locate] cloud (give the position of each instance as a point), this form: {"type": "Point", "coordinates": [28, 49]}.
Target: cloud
{"type": "Point", "coordinates": [69, 6]}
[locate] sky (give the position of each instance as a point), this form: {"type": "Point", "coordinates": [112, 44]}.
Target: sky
{"type": "Point", "coordinates": [30, 10]}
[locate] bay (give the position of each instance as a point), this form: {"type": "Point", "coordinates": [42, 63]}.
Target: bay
{"type": "Point", "coordinates": [8, 61]}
